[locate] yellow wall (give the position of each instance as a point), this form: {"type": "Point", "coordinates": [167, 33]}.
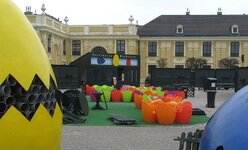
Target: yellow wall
{"type": "Point", "coordinates": [192, 48]}
{"type": "Point", "coordinates": [32, 19]}
{"type": "Point", "coordinates": [57, 25]}
{"type": "Point", "coordinates": [98, 29]}
{"type": "Point", "coordinates": [76, 29]}
{"type": "Point", "coordinates": [49, 22]}
{"type": "Point", "coordinates": [120, 29]}
{"type": "Point", "coordinates": [106, 35]}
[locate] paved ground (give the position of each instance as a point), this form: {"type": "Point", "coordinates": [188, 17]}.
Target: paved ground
{"type": "Point", "coordinates": [136, 138]}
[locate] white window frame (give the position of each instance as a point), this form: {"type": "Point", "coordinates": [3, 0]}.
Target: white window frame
{"type": "Point", "coordinates": [233, 27]}
{"type": "Point", "coordinates": [180, 27]}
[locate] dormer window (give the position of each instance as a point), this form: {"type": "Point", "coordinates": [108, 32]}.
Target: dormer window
{"type": "Point", "coordinates": [235, 29]}
{"type": "Point", "coordinates": [179, 29]}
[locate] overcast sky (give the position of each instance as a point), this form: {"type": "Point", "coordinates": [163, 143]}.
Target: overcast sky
{"type": "Point", "coordinates": [118, 11]}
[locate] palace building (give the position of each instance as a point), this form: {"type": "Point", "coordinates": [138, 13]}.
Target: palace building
{"type": "Point", "coordinates": [174, 37]}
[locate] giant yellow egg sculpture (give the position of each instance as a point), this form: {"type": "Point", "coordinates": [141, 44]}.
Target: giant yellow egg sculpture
{"type": "Point", "coordinates": [30, 116]}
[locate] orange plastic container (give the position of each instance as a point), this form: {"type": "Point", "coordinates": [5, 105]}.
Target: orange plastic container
{"type": "Point", "coordinates": [148, 112]}
{"type": "Point", "coordinates": [184, 113]}
{"type": "Point", "coordinates": [166, 113]}
{"type": "Point", "coordinates": [137, 100]}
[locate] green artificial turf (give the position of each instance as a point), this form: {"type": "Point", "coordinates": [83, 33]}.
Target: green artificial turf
{"type": "Point", "coordinates": [100, 117]}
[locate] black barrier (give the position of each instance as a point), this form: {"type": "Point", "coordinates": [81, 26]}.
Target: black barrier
{"type": "Point", "coordinates": [66, 76]}
{"type": "Point", "coordinates": [172, 77]}
{"type": "Point", "coordinates": [201, 75]}
{"type": "Point", "coordinates": [169, 76]}
{"type": "Point", "coordinates": [241, 78]}
{"type": "Point", "coordinates": [226, 78]}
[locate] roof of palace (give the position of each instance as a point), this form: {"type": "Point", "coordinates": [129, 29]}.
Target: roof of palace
{"type": "Point", "coordinates": [195, 25]}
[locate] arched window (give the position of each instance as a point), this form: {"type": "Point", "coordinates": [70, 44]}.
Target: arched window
{"type": "Point", "coordinates": [99, 50]}
{"type": "Point", "coordinates": [179, 29]}
{"type": "Point", "coordinates": [64, 47]}
{"type": "Point", "coordinates": [235, 29]}
{"type": "Point", "coordinates": [49, 43]}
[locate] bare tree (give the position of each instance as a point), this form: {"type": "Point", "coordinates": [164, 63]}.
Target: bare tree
{"type": "Point", "coordinates": [227, 63]}
{"type": "Point", "coordinates": [162, 62]}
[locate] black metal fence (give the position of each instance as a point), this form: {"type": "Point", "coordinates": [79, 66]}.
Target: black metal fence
{"type": "Point", "coordinates": [190, 141]}
{"type": "Point", "coordinates": [226, 78]}
{"type": "Point", "coordinates": [67, 76]}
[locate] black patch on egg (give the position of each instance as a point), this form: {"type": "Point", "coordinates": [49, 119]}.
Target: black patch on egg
{"type": "Point", "coordinates": [27, 102]}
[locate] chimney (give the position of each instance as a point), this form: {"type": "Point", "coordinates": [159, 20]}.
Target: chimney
{"type": "Point", "coordinates": [187, 12]}
{"type": "Point", "coordinates": [28, 11]}
{"type": "Point", "coordinates": [219, 11]}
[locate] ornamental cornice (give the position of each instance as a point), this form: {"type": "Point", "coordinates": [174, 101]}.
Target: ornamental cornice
{"type": "Point", "coordinates": [51, 30]}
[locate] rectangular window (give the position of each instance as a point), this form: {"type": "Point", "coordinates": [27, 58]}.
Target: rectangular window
{"type": "Point", "coordinates": [207, 67]}
{"type": "Point", "coordinates": [76, 47]}
{"type": "Point", "coordinates": [49, 44]}
{"type": "Point", "coordinates": [150, 68]}
{"type": "Point", "coordinates": [179, 66]}
{"type": "Point", "coordinates": [179, 30]}
{"type": "Point", "coordinates": [64, 47]}
{"type": "Point", "coordinates": [206, 51]}
{"type": "Point", "coordinates": [49, 49]}
{"type": "Point", "coordinates": [120, 47]}
{"type": "Point", "coordinates": [152, 49]}
{"type": "Point", "coordinates": [179, 51]}
{"type": "Point", "coordinates": [234, 49]}
{"type": "Point", "coordinates": [235, 30]}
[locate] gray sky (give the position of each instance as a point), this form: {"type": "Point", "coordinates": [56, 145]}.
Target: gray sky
{"type": "Point", "coordinates": [118, 11]}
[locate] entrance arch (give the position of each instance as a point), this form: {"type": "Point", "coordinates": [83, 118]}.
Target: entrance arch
{"type": "Point", "coordinates": [99, 50]}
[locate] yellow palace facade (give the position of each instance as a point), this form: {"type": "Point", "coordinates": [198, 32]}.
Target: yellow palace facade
{"type": "Point", "coordinates": [174, 37]}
